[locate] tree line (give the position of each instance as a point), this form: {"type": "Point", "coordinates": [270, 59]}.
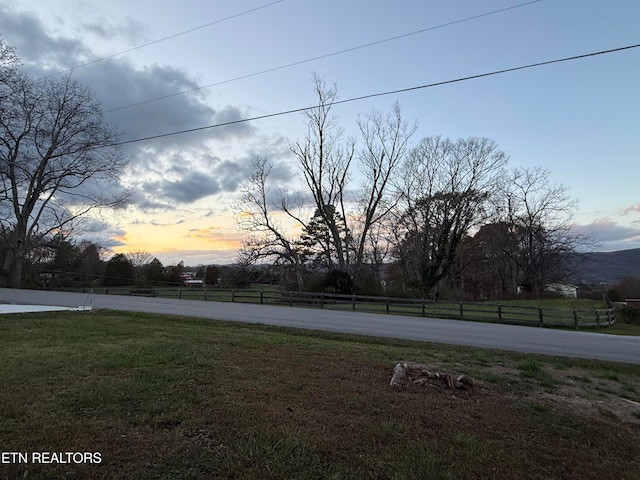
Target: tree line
{"type": "Point", "coordinates": [385, 213]}
{"type": "Point", "coordinates": [64, 262]}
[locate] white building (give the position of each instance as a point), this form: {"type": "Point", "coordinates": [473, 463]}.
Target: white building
{"type": "Point", "coordinates": [565, 289]}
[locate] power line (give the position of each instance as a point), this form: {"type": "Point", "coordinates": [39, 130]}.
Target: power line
{"type": "Point", "coordinates": [320, 57]}
{"type": "Point", "coordinates": [381, 94]}
{"type": "Point", "coordinates": [164, 38]}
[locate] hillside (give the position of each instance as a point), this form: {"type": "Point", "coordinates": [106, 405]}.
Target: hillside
{"type": "Point", "coordinates": [605, 267]}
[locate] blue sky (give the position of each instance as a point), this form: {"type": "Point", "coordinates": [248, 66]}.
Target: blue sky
{"type": "Point", "coordinates": [578, 119]}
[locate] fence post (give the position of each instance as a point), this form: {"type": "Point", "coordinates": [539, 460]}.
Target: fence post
{"type": "Point", "coordinates": [291, 298]}
{"type": "Point", "coordinates": [233, 295]}
{"type": "Point", "coordinates": [540, 315]}
{"type": "Point", "coordinates": [261, 296]}
{"type": "Point", "coordinates": [206, 291]}
{"type": "Point", "coordinates": [461, 311]}
{"type": "Point", "coordinates": [575, 319]}
{"type": "Point", "coordinates": [387, 303]}
{"type": "Point", "coordinates": [499, 313]}
{"type": "Point", "coordinates": [321, 299]}
{"type": "Point", "coordinates": [353, 300]}
{"type": "Point", "coordinates": [597, 318]}
{"type": "Point", "coordinates": [423, 306]}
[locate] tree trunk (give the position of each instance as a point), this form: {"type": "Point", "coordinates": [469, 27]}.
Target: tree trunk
{"type": "Point", "coordinates": [17, 254]}
{"type": "Point", "coordinates": [16, 270]}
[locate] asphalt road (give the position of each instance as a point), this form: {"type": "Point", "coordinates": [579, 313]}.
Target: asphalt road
{"type": "Point", "coordinates": [616, 348]}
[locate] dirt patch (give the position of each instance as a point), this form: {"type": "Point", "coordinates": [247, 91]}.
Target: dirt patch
{"type": "Point", "coordinates": [602, 398]}
{"type": "Point", "coordinates": [346, 406]}
{"type": "Point", "coordinates": [572, 400]}
{"type": "Point", "coordinates": [578, 392]}
{"type": "Point", "coordinates": [330, 396]}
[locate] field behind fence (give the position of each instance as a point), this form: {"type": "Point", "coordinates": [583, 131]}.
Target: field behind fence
{"type": "Point", "coordinates": [532, 315]}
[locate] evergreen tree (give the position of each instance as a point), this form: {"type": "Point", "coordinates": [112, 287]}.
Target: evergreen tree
{"type": "Point", "coordinates": [119, 271]}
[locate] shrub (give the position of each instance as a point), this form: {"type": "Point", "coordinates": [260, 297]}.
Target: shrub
{"type": "Point", "coordinates": [627, 287]}
{"type": "Point", "coordinates": [334, 281]}
{"type": "Point", "coordinates": [629, 314]}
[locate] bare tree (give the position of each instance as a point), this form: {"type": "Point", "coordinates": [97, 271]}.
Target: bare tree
{"type": "Point", "coordinates": [337, 226]}
{"type": "Point", "coordinates": [8, 64]}
{"type": "Point", "coordinates": [8, 61]}
{"type": "Point", "coordinates": [56, 155]}
{"type": "Point", "coordinates": [327, 160]}
{"type": "Point", "coordinates": [444, 190]}
{"type": "Point", "coordinates": [139, 258]}
{"type": "Point", "coordinates": [324, 159]}
{"type": "Point", "coordinates": [268, 239]}
{"type": "Point", "coordinates": [539, 216]}
{"type": "Point", "coordinates": [386, 140]}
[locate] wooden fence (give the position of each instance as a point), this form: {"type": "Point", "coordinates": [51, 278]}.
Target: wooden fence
{"type": "Point", "coordinates": [541, 316]}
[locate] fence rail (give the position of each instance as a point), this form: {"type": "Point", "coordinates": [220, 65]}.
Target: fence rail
{"type": "Point", "coordinates": [541, 316]}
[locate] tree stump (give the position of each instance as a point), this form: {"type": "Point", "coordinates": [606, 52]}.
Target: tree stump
{"type": "Point", "coordinates": [406, 373]}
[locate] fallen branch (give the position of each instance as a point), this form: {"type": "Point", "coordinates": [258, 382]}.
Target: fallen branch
{"type": "Point", "coordinates": [406, 373]}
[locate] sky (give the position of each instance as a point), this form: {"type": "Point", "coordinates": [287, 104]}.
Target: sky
{"type": "Point", "coordinates": [161, 66]}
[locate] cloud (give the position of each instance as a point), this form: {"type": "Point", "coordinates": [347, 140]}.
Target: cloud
{"type": "Point", "coordinates": [185, 190]}
{"type": "Point", "coordinates": [118, 83]}
{"type": "Point", "coordinates": [92, 226]}
{"type": "Point", "coordinates": [611, 235]}
{"type": "Point", "coordinates": [100, 232]}
{"type": "Point", "coordinates": [162, 171]}
{"type": "Point", "coordinates": [188, 178]}
{"type": "Point", "coordinates": [131, 30]}
{"type": "Point", "coordinates": [38, 50]}
{"type": "Point", "coordinates": [632, 209]}
{"type": "Point", "coordinates": [147, 204]}
{"type": "Point", "coordinates": [46, 49]}
{"type": "Point", "coordinates": [165, 175]}
{"type": "Point", "coordinates": [217, 235]}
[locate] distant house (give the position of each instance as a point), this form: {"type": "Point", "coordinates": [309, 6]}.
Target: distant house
{"type": "Point", "coordinates": [565, 289]}
{"type": "Point", "coordinates": [189, 281]}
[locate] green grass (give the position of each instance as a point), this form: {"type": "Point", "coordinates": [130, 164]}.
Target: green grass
{"type": "Point", "coordinates": [171, 397]}
{"type": "Point", "coordinates": [619, 328]}
{"type": "Point", "coordinates": [533, 369]}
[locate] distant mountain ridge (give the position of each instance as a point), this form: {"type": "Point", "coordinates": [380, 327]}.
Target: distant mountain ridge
{"type": "Point", "coordinates": [605, 267]}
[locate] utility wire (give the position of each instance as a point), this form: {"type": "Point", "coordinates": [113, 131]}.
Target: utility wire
{"type": "Point", "coordinates": [163, 39]}
{"type": "Point", "coordinates": [320, 57]}
{"type": "Point", "coordinates": [381, 94]}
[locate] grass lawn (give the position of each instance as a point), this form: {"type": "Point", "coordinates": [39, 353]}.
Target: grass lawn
{"type": "Point", "coordinates": [162, 397]}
